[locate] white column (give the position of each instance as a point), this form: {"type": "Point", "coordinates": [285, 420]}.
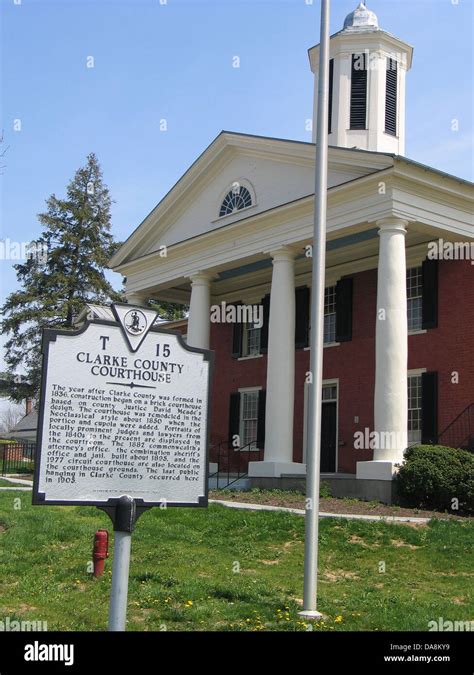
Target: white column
{"type": "Point", "coordinates": [278, 456]}
{"type": "Point", "coordinates": [199, 319]}
{"type": "Point", "coordinates": [391, 354]}
{"type": "Point", "coordinates": [134, 298]}
{"type": "Point", "coordinates": [199, 324]}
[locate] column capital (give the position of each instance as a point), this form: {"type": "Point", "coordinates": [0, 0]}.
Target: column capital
{"type": "Point", "coordinates": [392, 224]}
{"type": "Point", "coordinates": [283, 253]}
{"type": "Point", "coordinates": [202, 277]}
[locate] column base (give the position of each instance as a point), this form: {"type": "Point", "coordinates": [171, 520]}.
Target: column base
{"type": "Point", "coordinates": [267, 469]}
{"type": "Point", "coordinates": [311, 614]}
{"type": "Point", "coordinates": [376, 470]}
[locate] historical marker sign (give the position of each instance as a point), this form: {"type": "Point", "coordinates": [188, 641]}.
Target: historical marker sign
{"type": "Point", "coordinates": [124, 410]}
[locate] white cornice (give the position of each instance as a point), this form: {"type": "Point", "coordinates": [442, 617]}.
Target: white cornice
{"type": "Point", "coordinates": [345, 43]}
{"type": "Point", "coordinates": [213, 160]}
{"type": "Point", "coordinates": [257, 225]}
{"type": "Point", "coordinates": [434, 203]}
{"type": "Point", "coordinates": [258, 284]}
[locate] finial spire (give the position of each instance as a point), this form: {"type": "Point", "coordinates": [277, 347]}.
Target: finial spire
{"type": "Point", "coordinates": [361, 19]}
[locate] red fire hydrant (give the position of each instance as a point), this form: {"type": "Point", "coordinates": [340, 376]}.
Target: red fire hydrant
{"type": "Point", "coordinates": [100, 551]}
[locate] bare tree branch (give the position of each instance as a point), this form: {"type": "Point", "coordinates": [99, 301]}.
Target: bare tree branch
{"type": "Point", "coordinates": [10, 418]}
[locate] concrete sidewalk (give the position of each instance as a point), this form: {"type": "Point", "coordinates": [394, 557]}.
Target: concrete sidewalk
{"type": "Point", "coordinates": [18, 486]}
{"type": "Point", "coordinates": [19, 481]}
{"type": "Point", "coordinates": [300, 512]}
{"type": "Point", "coordinates": [267, 507]}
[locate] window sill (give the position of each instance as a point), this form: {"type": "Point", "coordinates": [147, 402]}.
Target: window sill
{"type": "Point", "coordinates": [248, 358]}
{"type": "Point", "coordinates": [234, 213]}
{"type": "Point", "coordinates": [421, 331]}
{"type": "Point", "coordinates": [246, 449]}
{"type": "Point", "coordinates": [326, 344]}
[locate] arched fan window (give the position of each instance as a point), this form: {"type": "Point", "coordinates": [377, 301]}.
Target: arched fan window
{"type": "Point", "coordinates": [236, 199]}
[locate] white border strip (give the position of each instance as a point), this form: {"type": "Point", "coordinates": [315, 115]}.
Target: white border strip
{"type": "Point", "coordinates": [300, 512]}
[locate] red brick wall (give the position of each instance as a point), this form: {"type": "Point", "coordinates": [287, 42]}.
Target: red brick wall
{"type": "Point", "coordinates": [12, 453]}
{"type": "Point", "coordinates": [230, 375]}
{"type": "Point", "coordinates": [448, 348]}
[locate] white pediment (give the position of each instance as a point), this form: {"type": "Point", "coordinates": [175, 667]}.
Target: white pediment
{"type": "Point", "coordinates": [270, 183]}
{"type": "Point", "coordinates": [274, 171]}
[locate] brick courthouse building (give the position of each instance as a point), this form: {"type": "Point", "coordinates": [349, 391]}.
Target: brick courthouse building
{"type": "Point", "coordinates": [399, 310]}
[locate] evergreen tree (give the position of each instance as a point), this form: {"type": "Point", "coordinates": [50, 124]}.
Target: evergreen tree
{"type": "Point", "coordinates": [63, 271]}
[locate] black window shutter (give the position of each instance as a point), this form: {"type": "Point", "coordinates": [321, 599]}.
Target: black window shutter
{"type": "Point", "coordinates": [358, 114]}
{"type": "Point", "coordinates": [302, 317]}
{"type": "Point", "coordinates": [234, 416]}
{"type": "Point", "coordinates": [391, 98]}
{"type": "Point", "coordinates": [429, 407]}
{"type": "Point", "coordinates": [264, 329]}
{"type": "Point", "coordinates": [331, 87]}
{"type": "Point", "coordinates": [237, 340]}
{"type": "Point", "coordinates": [344, 310]}
{"type": "Point", "coordinates": [430, 294]}
{"type": "Point", "coordinates": [262, 397]}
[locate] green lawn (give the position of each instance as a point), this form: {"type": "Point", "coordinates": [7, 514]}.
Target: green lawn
{"type": "Point", "coordinates": [6, 483]}
{"type": "Point", "coordinates": [225, 569]}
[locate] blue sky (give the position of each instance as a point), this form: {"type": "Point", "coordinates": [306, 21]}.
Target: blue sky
{"type": "Point", "coordinates": [173, 61]}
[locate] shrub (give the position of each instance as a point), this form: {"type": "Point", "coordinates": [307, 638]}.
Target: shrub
{"type": "Point", "coordinates": [324, 490]}
{"type": "Point", "coordinates": [434, 475]}
{"type": "Point", "coordinates": [27, 468]}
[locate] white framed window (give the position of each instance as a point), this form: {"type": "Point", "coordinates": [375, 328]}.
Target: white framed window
{"type": "Point", "coordinates": [415, 298]}
{"type": "Point", "coordinates": [329, 314]}
{"type": "Point", "coordinates": [414, 408]}
{"type": "Point", "coordinates": [329, 392]}
{"type": "Point", "coordinates": [236, 199]}
{"type": "Point", "coordinates": [251, 339]}
{"type": "Point", "coordinates": [249, 417]}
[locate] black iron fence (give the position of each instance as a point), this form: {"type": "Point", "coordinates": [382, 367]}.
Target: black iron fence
{"type": "Point", "coordinates": [17, 457]}
{"type": "Point", "coordinates": [460, 432]}
{"type": "Point", "coordinates": [233, 462]}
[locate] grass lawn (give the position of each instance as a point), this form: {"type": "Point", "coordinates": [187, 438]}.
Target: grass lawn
{"type": "Point", "coordinates": [225, 569]}
{"type": "Point", "coordinates": [6, 483]}
{"type": "Point", "coordinates": [295, 499]}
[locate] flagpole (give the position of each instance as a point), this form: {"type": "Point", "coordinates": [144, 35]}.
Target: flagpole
{"type": "Point", "coordinates": [313, 461]}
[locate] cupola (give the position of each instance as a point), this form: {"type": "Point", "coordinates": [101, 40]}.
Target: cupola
{"type": "Point", "coordinates": [367, 72]}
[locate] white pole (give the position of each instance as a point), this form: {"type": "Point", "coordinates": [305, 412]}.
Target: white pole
{"type": "Point", "coordinates": [120, 571]}
{"type": "Point", "coordinates": [317, 327]}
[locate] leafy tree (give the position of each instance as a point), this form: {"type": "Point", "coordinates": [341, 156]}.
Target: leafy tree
{"type": "Point", "coordinates": [169, 311]}
{"type": "Point", "coordinates": [64, 270]}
